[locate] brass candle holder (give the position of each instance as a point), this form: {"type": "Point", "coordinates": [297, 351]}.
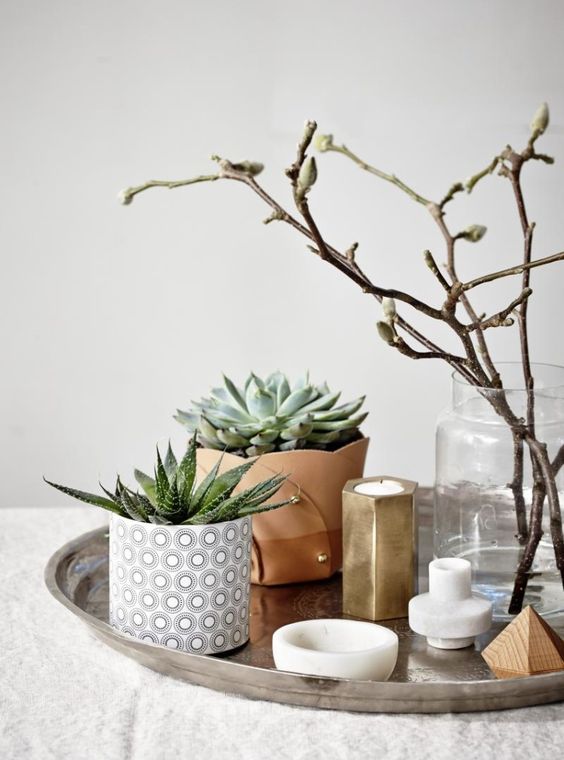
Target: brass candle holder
{"type": "Point", "coordinates": [379, 547]}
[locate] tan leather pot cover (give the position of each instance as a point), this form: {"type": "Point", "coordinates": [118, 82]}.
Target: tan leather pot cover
{"type": "Point", "coordinates": [300, 542]}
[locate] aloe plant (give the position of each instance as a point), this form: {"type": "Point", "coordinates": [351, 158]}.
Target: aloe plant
{"type": "Point", "coordinates": [173, 497]}
{"type": "Point", "coordinates": [272, 415]}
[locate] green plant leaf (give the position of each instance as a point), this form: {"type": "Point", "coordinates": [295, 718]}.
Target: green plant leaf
{"type": "Point", "coordinates": [296, 431]}
{"type": "Point", "coordinates": [283, 392]}
{"type": "Point", "coordinates": [220, 394]}
{"type": "Point", "coordinates": [266, 436]}
{"type": "Point", "coordinates": [329, 437]}
{"type": "Point", "coordinates": [340, 412]}
{"type": "Point", "coordinates": [198, 502]}
{"type": "Point", "coordinates": [351, 422]}
{"type": "Point", "coordinates": [207, 429]}
{"type": "Point", "coordinates": [257, 451]}
{"type": "Point", "coordinates": [322, 403]}
{"type": "Point", "coordinates": [187, 473]}
{"type": "Point", "coordinates": [190, 420]}
{"type": "Point", "coordinates": [161, 482]}
{"type": "Point", "coordinates": [231, 439]}
{"type": "Point", "coordinates": [235, 393]}
{"type": "Point", "coordinates": [207, 444]}
{"type": "Point", "coordinates": [260, 402]}
{"type": "Point", "coordinates": [158, 520]}
{"type": "Point", "coordinates": [298, 443]}
{"type": "Point", "coordinates": [130, 505]}
{"type": "Point", "coordinates": [255, 510]}
{"type": "Point", "coordinates": [302, 381]}
{"type": "Point", "coordinates": [173, 504]}
{"type": "Point", "coordinates": [170, 463]}
{"type": "Point", "coordinates": [89, 498]}
{"type": "Point", "coordinates": [296, 400]}
{"type": "Point", "coordinates": [147, 484]}
{"type": "Point", "coordinates": [224, 485]}
{"type": "Point", "coordinates": [145, 503]}
{"type": "Point", "coordinates": [232, 413]}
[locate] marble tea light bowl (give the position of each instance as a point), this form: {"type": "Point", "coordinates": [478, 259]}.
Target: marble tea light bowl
{"type": "Point", "coordinates": [337, 649]}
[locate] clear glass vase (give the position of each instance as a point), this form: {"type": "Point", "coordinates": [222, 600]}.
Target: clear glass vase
{"type": "Point", "coordinates": [475, 515]}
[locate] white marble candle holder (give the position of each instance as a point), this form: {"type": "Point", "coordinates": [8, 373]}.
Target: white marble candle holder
{"type": "Point", "coordinates": [336, 648]}
{"type": "Point", "coordinates": [450, 616]}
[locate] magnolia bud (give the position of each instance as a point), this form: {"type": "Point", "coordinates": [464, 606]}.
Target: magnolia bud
{"type": "Point", "coordinates": [389, 309]}
{"type": "Point", "coordinates": [249, 167]}
{"type": "Point", "coordinates": [474, 233]}
{"type": "Point", "coordinates": [125, 197]}
{"type": "Point", "coordinates": [540, 120]}
{"type": "Point", "coordinates": [385, 332]}
{"type": "Point", "coordinates": [307, 175]}
{"type": "Point", "coordinates": [322, 142]}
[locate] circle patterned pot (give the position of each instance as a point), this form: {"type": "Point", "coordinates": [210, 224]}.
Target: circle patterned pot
{"type": "Point", "coordinates": [181, 586]}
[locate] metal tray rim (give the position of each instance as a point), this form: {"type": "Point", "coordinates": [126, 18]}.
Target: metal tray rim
{"type": "Point", "coordinates": [292, 688]}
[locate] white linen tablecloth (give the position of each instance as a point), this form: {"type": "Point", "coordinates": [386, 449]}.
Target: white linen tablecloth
{"type": "Point", "coordinates": [63, 694]}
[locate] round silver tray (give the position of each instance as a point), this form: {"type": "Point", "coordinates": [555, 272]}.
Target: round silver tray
{"type": "Point", "coordinates": [426, 680]}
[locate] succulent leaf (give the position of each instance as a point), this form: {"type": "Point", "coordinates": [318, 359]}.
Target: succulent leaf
{"type": "Point", "coordinates": [301, 430]}
{"type": "Point", "coordinates": [89, 498]}
{"type": "Point", "coordinates": [161, 481]}
{"type": "Point", "coordinates": [323, 402]}
{"type": "Point", "coordinates": [207, 429]}
{"type": "Point", "coordinates": [235, 393]}
{"type": "Point", "coordinates": [260, 401]}
{"type": "Point", "coordinates": [257, 451]}
{"type": "Point", "coordinates": [189, 420]}
{"type": "Point", "coordinates": [299, 443]}
{"type": "Point", "coordinates": [187, 472]}
{"type": "Point", "coordinates": [176, 501]}
{"type": "Point", "coordinates": [263, 417]}
{"type": "Point", "coordinates": [328, 437]}
{"type": "Point", "coordinates": [340, 424]}
{"type": "Point", "coordinates": [147, 484]}
{"type": "Point", "coordinates": [229, 438]}
{"type": "Point", "coordinates": [173, 504]}
{"type": "Point", "coordinates": [130, 504]}
{"type": "Point", "coordinates": [296, 400]}
{"type": "Point", "coordinates": [170, 463]}
{"type": "Point", "coordinates": [224, 485]}
{"type": "Point", "coordinates": [198, 500]}
{"type": "Point", "coordinates": [340, 412]}
{"type": "Point", "coordinates": [301, 382]}
{"type": "Point", "coordinates": [266, 436]}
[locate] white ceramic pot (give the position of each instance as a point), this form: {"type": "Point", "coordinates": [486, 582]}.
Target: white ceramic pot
{"type": "Point", "coordinates": [181, 586]}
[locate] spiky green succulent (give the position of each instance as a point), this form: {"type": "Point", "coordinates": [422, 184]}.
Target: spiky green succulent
{"type": "Point", "coordinates": [271, 415]}
{"type": "Point", "coordinates": [173, 497]}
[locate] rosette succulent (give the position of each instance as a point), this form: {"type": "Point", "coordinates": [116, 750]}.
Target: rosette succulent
{"type": "Point", "coordinates": [272, 415]}
{"type": "Point", "coordinates": [173, 497]}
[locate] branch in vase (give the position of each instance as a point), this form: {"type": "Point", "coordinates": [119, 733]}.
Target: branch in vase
{"type": "Point", "coordinates": [511, 271]}
{"type": "Point", "coordinates": [502, 318]}
{"type": "Point", "coordinates": [477, 366]}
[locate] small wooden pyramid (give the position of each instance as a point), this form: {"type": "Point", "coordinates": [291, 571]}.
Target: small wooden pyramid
{"type": "Point", "coordinates": [528, 646]}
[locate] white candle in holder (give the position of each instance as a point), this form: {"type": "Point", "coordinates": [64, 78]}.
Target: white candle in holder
{"type": "Point", "coordinates": [379, 488]}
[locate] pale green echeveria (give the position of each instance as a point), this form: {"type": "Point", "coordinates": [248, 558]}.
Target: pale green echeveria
{"type": "Point", "coordinates": [270, 414]}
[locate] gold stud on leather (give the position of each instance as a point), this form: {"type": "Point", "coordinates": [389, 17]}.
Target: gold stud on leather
{"type": "Point", "coordinates": [322, 558]}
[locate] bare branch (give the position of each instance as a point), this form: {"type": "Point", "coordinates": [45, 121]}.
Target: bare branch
{"type": "Point", "coordinates": [501, 318]}
{"type": "Point", "coordinates": [519, 269]}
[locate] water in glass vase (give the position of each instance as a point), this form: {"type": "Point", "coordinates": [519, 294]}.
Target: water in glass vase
{"type": "Point", "coordinates": [475, 513]}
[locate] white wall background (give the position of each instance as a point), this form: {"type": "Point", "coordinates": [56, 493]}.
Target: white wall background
{"type": "Point", "coordinates": [113, 316]}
